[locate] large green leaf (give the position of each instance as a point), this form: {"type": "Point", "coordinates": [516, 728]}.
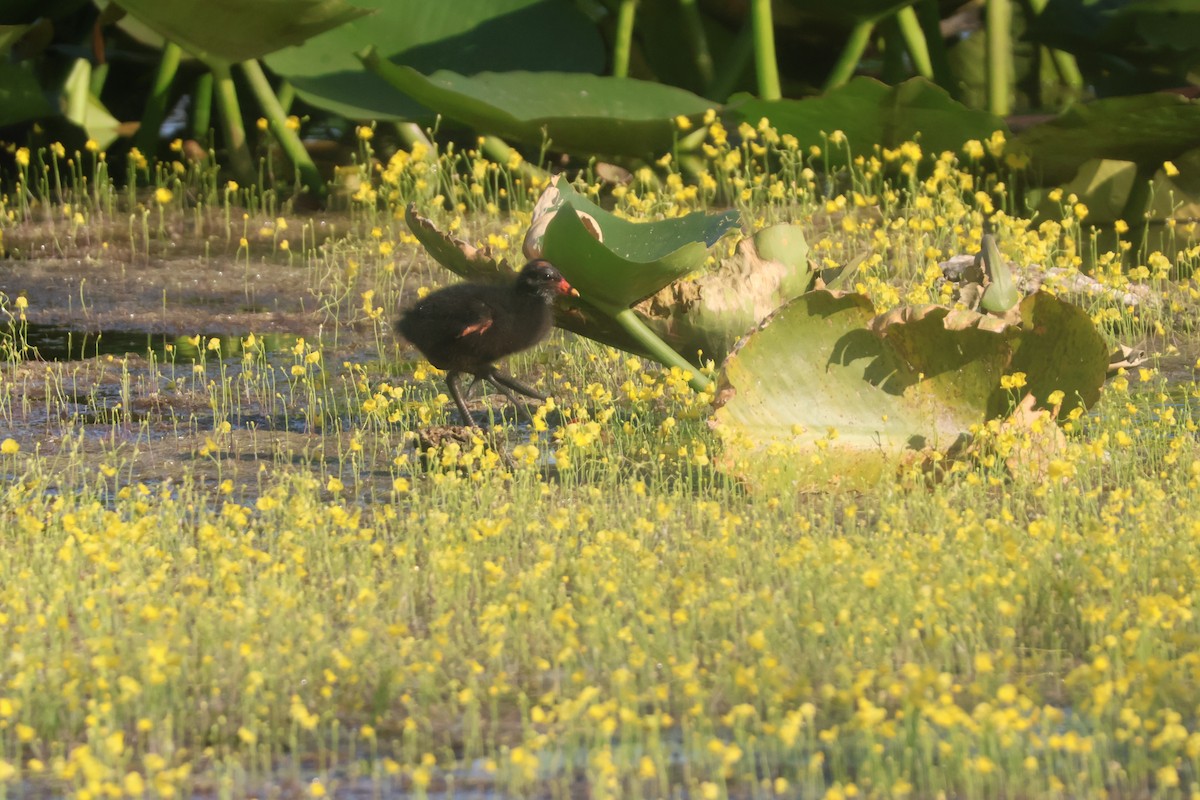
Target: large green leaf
{"type": "Point", "coordinates": [1145, 129]}
{"type": "Point", "coordinates": [635, 259]}
{"type": "Point", "coordinates": [871, 113]}
{"type": "Point", "coordinates": [466, 35]}
{"type": "Point", "coordinates": [238, 30]}
{"type": "Point", "coordinates": [826, 393]}
{"type": "Point", "coordinates": [579, 113]}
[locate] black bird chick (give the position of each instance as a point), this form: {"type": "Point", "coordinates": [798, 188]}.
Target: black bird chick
{"type": "Point", "coordinates": [468, 326]}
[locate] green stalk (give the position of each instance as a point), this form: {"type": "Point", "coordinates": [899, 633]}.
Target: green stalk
{"type": "Point", "coordinates": [914, 41]}
{"type": "Point", "coordinates": [410, 133]}
{"type": "Point", "coordinates": [734, 64]}
{"type": "Point", "coordinates": [1064, 63]}
{"type": "Point", "coordinates": [851, 54]}
{"type": "Point", "coordinates": [998, 39]}
{"type": "Point", "coordinates": [693, 28]}
{"type": "Point", "coordinates": [202, 97]}
{"type": "Point", "coordinates": [929, 19]}
{"type": "Point", "coordinates": [146, 139]}
{"type": "Point", "coordinates": [499, 151]}
{"type": "Point", "coordinates": [764, 50]}
{"type": "Point", "coordinates": [659, 350]}
{"type": "Point", "coordinates": [288, 139]}
{"type": "Point", "coordinates": [623, 44]}
{"type": "Point", "coordinates": [286, 95]}
{"type": "Point", "coordinates": [231, 118]}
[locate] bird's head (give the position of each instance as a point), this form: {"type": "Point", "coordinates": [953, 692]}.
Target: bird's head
{"type": "Point", "coordinates": [541, 278]}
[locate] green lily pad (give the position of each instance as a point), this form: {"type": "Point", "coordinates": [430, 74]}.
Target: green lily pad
{"type": "Point", "coordinates": [825, 393]}
{"type": "Point", "coordinates": [468, 35]}
{"type": "Point", "coordinates": [635, 259]}
{"type": "Point", "coordinates": [238, 30]}
{"type": "Point", "coordinates": [871, 113]}
{"type": "Point", "coordinates": [1145, 129]}
{"type": "Point", "coordinates": [578, 113]}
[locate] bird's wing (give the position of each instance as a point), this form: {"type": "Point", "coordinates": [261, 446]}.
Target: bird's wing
{"type": "Point", "coordinates": [478, 320]}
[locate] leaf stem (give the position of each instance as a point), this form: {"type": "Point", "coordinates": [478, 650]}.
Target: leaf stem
{"type": "Point", "coordinates": [623, 44]}
{"type": "Point", "coordinates": [231, 116]}
{"type": "Point", "coordinates": [998, 39]}
{"type": "Point", "coordinates": [146, 139]}
{"type": "Point", "coordinates": [288, 139]}
{"type": "Point", "coordinates": [851, 54]}
{"type": "Point", "coordinates": [764, 50]}
{"type": "Point", "coordinates": [658, 349]}
{"type": "Point", "coordinates": [914, 41]}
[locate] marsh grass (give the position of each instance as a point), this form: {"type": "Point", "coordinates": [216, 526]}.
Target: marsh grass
{"type": "Point", "coordinates": [227, 570]}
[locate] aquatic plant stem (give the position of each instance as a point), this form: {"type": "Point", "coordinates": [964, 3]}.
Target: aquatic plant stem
{"type": "Point", "coordinates": [231, 118]}
{"type": "Point", "coordinates": [765, 65]}
{"type": "Point", "coordinates": [156, 103]}
{"type": "Point", "coordinates": [623, 43]}
{"type": "Point", "coordinates": [998, 39]}
{"type": "Point", "coordinates": [851, 54]}
{"type": "Point", "coordinates": [288, 139]}
{"type": "Point", "coordinates": [202, 97]}
{"type": "Point", "coordinates": [914, 41]}
{"type": "Point", "coordinates": [929, 18]}
{"type": "Point", "coordinates": [659, 350]}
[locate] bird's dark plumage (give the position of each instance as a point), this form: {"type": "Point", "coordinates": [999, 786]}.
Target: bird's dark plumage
{"type": "Point", "coordinates": [468, 326]}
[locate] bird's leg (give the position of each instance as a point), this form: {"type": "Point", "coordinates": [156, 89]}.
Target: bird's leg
{"type": "Point", "coordinates": [456, 393]}
{"type": "Point", "coordinates": [506, 385]}
{"type": "Point", "coordinates": [500, 379]}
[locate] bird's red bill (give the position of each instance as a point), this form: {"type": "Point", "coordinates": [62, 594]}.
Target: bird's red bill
{"type": "Point", "coordinates": [477, 327]}
{"type": "Point", "coordinates": [566, 288]}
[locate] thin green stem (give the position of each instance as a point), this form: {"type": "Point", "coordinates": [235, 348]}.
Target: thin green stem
{"type": "Point", "coordinates": [288, 139]}
{"type": "Point", "coordinates": [623, 44]}
{"type": "Point", "coordinates": [230, 112]}
{"type": "Point", "coordinates": [146, 139]}
{"type": "Point", "coordinates": [851, 54]}
{"type": "Point", "coordinates": [658, 349]}
{"type": "Point", "coordinates": [914, 41]}
{"type": "Point", "coordinates": [202, 98]}
{"type": "Point", "coordinates": [998, 39]}
{"type": "Point", "coordinates": [499, 151]}
{"type": "Point", "coordinates": [286, 95]}
{"type": "Point", "coordinates": [929, 19]}
{"type": "Point", "coordinates": [410, 133]}
{"type": "Point", "coordinates": [765, 64]}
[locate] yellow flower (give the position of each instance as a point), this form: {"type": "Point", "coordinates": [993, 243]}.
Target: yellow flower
{"type": "Point", "coordinates": [683, 123]}
{"type": "Point", "coordinates": [365, 132]}
{"type": "Point", "coordinates": [1170, 168]}
{"type": "Point", "coordinates": [10, 447]}
{"type": "Point", "coordinates": [163, 195]}
{"type": "Point", "coordinates": [22, 156]}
